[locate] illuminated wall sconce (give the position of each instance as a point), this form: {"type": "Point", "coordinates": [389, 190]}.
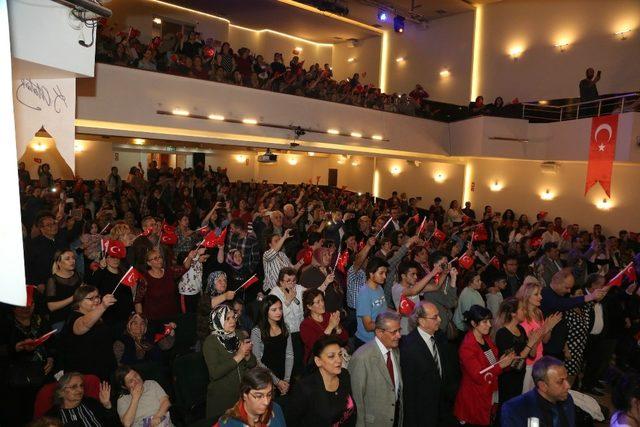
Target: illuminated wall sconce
{"type": "Point", "coordinates": [157, 21]}
{"type": "Point", "coordinates": [249, 121]}
{"type": "Point", "coordinates": [351, 59]}
{"type": "Point", "coordinates": [547, 195]}
{"type": "Point", "coordinates": [516, 52]}
{"type": "Point", "coordinates": [356, 134]}
{"type": "Point", "coordinates": [496, 186]}
{"type": "Point", "coordinates": [395, 170]}
{"type": "Point", "coordinates": [562, 46]}
{"type": "Point", "coordinates": [342, 160]}
{"type": "Point", "coordinates": [39, 147]}
{"type": "Point", "coordinates": [543, 102]}
{"type": "Point", "coordinates": [400, 59]}
{"type": "Point", "coordinates": [180, 112]}
{"type": "Point", "coordinates": [297, 50]}
{"type": "Point", "coordinates": [445, 73]}
{"type": "Point", "coordinates": [241, 158]}
{"type": "Point", "coordinates": [139, 141]}
{"type": "Point", "coordinates": [217, 117]}
{"type": "Point", "coordinates": [355, 163]}
{"type": "Point", "coordinates": [78, 147]}
{"type": "Point", "coordinates": [293, 161]}
{"type": "Point", "coordinates": [439, 177]}
{"type": "Point", "coordinates": [377, 137]}
{"type": "Point", "coordinates": [604, 204]}
{"type": "Point", "coordinates": [623, 34]}
{"type": "Point", "coordinates": [311, 154]}
{"type": "Point", "coordinates": [333, 131]}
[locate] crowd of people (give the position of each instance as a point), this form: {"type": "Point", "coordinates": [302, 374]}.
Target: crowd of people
{"type": "Point", "coordinates": [192, 56]}
{"type": "Point", "coordinates": [311, 306]}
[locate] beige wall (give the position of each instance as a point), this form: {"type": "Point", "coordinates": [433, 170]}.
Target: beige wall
{"type": "Point", "coordinates": [446, 43]}
{"type": "Point", "coordinates": [523, 182]}
{"type": "Point", "coordinates": [367, 59]}
{"type": "Point", "coordinates": [543, 72]}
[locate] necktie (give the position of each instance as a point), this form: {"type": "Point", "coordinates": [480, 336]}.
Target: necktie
{"type": "Point", "coordinates": [390, 368]}
{"type": "Point", "coordinates": [436, 356]}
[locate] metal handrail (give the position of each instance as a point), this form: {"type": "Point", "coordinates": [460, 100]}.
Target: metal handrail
{"type": "Point", "coordinates": [535, 104]}
{"type": "Point", "coordinates": [577, 110]}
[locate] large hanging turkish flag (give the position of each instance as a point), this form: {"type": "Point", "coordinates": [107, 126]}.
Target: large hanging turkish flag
{"type": "Point", "coordinates": [602, 150]}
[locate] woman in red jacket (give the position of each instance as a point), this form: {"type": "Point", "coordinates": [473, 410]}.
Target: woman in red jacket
{"type": "Point", "coordinates": [478, 392]}
{"type": "Point", "coordinates": [317, 322]}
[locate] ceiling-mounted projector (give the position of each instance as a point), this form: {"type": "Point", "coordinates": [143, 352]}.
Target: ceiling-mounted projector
{"type": "Point", "coordinates": [268, 157]}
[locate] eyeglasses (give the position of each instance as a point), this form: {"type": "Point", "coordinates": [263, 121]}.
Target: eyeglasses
{"type": "Point", "coordinates": [260, 396]}
{"type": "Point", "coordinates": [75, 387]}
{"type": "Point", "coordinates": [393, 332]}
{"type": "Point", "coordinates": [94, 298]}
{"type": "Point", "coordinates": [437, 316]}
{"type": "Point", "coordinates": [155, 258]}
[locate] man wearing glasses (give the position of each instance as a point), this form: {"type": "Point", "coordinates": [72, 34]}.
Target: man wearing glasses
{"type": "Point", "coordinates": [41, 249]}
{"type": "Point", "coordinates": [430, 372]}
{"type": "Point", "coordinates": [376, 377]}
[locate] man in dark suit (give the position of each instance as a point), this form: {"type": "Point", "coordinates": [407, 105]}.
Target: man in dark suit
{"type": "Point", "coordinates": [550, 402]}
{"type": "Point", "coordinates": [429, 372]}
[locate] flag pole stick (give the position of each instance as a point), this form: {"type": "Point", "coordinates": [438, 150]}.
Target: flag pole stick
{"type": "Point", "coordinates": [247, 281]}
{"type": "Point", "coordinates": [120, 281]}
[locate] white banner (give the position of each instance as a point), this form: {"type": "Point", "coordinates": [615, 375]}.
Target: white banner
{"type": "Point", "coordinates": [48, 104]}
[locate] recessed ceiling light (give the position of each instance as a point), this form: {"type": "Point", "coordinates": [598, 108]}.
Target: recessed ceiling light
{"type": "Point", "coordinates": [180, 112]}
{"type": "Point", "coordinates": [216, 117]}
{"type": "Point", "coordinates": [356, 134]}
{"type": "Point", "coordinates": [333, 131]}
{"type": "Point", "coordinates": [377, 137]}
{"type": "Point", "coordinates": [249, 121]}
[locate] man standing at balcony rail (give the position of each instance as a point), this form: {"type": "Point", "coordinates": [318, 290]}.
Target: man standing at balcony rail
{"type": "Point", "coordinates": [588, 88]}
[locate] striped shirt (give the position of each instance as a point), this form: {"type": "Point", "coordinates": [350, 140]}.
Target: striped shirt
{"type": "Point", "coordinates": [356, 279]}
{"type": "Point", "coordinates": [273, 262]}
{"type": "Point", "coordinates": [81, 415]}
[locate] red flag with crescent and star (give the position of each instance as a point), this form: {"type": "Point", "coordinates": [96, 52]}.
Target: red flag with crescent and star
{"type": "Point", "coordinates": [602, 150]}
{"type": "Point", "coordinates": [406, 306]}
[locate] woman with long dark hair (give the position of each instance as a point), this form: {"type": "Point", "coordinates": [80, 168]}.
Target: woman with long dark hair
{"type": "Point", "coordinates": [272, 343]}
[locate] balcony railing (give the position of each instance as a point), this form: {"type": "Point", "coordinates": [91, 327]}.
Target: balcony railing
{"type": "Point", "coordinates": [536, 112]}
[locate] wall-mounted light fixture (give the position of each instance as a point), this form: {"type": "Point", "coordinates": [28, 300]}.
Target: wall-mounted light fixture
{"type": "Point", "coordinates": [241, 158]}
{"type": "Point", "coordinates": [293, 161]}
{"type": "Point", "coordinates": [604, 204]}
{"type": "Point", "coordinates": [496, 186]}
{"type": "Point", "coordinates": [562, 45]}
{"type": "Point", "coordinates": [515, 52]}
{"type": "Point", "coordinates": [547, 195]}
{"type": "Point", "coordinates": [395, 170]}
{"type": "Point", "coordinates": [157, 21]}
{"type": "Point", "coordinates": [39, 147]}
{"type": "Point", "coordinates": [351, 59]}
{"type": "Point", "coordinates": [439, 177]}
{"type": "Point", "coordinates": [623, 34]}
{"type": "Point", "coordinates": [400, 59]}
{"type": "Point", "coordinates": [445, 73]}
{"type": "Point", "coordinates": [78, 147]}
{"type": "Point", "coordinates": [139, 141]}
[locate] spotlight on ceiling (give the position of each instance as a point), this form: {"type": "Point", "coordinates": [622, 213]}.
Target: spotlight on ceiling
{"type": "Point", "coordinates": [398, 24]}
{"type": "Point", "coordinates": [383, 16]}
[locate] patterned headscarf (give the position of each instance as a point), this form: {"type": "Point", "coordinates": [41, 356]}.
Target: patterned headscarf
{"type": "Point", "coordinates": [216, 324]}
{"type": "Point", "coordinates": [211, 282]}
{"type": "Point", "coordinates": [230, 261]}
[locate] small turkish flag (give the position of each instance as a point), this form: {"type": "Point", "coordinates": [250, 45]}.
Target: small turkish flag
{"type": "Point", "coordinates": [169, 239]}
{"type": "Point", "coordinates": [342, 261]}
{"type": "Point", "coordinates": [211, 240]}
{"type": "Point", "coordinates": [479, 234]}
{"type": "Point", "coordinates": [167, 331]}
{"type": "Point", "coordinates": [169, 229]}
{"type": "Point", "coordinates": [535, 242]}
{"type": "Point", "coordinates": [542, 214]}
{"type": "Point", "coordinates": [116, 249]}
{"type": "Point", "coordinates": [361, 245]}
{"type": "Point", "coordinates": [406, 306]}
{"type": "Point", "coordinates": [131, 277]}
{"type": "Point", "coordinates": [203, 231]}
{"type": "Point", "coordinates": [630, 272]}
{"type": "Point", "coordinates": [306, 254]}
{"type": "Point", "coordinates": [30, 292]}
{"type": "Point", "coordinates": [466, 218]}
{"type": "Point", "coordinates": [147, 232]}
{"type": "Point", "coordinates": [602, 150]}
{"type": "Point", "coordinates": [495, 262]}
{"type": "Point", "coordinates": [416, 218]}
{"type": "Point", "coordinates": [42, 339]}
{"type": "Point", "coordinates": [253, 279]}
{"type": "Point", "coordinates": [440, 235]}
{"type": "Point", "coordinates": [466, 261]}
{"type": "Point", "coordinates": [565, 234]}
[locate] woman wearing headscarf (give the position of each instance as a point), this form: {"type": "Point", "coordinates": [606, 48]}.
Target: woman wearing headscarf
{"type": "Point", "coordinates": [216, 293]}
{"type": "Point", "coordinates": [237, 271]}
{"type": "Point", "coordinates": [227, 353]}
{"type": "Point", "coordinates": [319, 276]}
{"type": "Point", "coordinates": [139, 344]}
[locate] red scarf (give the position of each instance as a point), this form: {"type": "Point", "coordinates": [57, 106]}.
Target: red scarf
{"type": "Point", "coordinates": [239, 413]}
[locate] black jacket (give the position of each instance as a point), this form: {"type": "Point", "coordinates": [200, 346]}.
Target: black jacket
{"type": "Point", "coordinates": [428, 398]}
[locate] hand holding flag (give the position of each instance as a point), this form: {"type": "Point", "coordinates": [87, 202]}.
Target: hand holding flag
{"type": "Point", "coordinates": [253, 279]}
{"type": "Point", "coordinates": [129, 279]}
{"type": "Point", "coordinates": [406, 306]}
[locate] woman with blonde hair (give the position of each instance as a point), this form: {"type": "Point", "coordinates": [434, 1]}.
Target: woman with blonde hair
{"type": "Point", "coordinates": [530, 297]}
{"type": "Point", "coordinates": [60, 287]}
{"type": "Point", "coordinates": [120, 231]}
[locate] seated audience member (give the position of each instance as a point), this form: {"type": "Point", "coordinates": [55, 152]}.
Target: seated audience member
{"type": "Point", "coordinates": [138, 344]}
{"type": "Point", "coordinates": [75, 410]}
{"type": "Point", "coordinates": [142, 402]}
{"type": "Point", "coordinates": [318, 322]}
{"type": "Point", "coordinates": [255, 406]}
{"type": "Point", "coordinates": [430, 372]}
{"type": "Point", "coordinates": [323, 398]}
{"type": "Point", "coordinates": [626, 400]}
{"type": "Point", "coordinates": [86, 340]}
{"type": "Point", "coordinates": [480, 368]}
{"type": "Point", "coordinates": [549, 402]}
{"type": "Point", "coordinates": [271, 343]}
{"type": "Point", "coordinates": [477, 107]}
{"type": "Point", "coordinates": [227, 353]}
